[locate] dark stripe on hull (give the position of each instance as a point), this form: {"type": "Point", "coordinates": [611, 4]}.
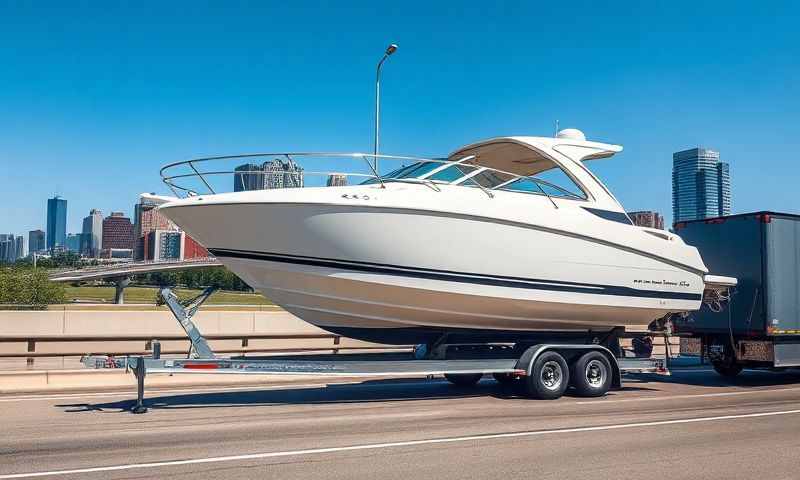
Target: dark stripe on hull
{"type": "Point", "coordinates": [445, 275]}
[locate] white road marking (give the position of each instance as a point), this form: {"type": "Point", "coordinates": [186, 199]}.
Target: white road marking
{"type": "Point", "coordinates": [376, 446]}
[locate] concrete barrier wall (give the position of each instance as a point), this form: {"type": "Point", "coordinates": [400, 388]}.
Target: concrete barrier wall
{"type": "Point", "coordinates": [155, 322]}
{"type": "Point", "coordinates": [152, 323]}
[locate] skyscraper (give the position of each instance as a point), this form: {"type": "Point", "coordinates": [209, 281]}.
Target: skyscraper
{"type": "Point", "coordinates": [8, 248]}
{"type": "Point", "coordinates": [701, 185]}
{"type": "Point", "coordinates": [93, 233]}
{"type": "Point", "coordinates": [36, 241]}
{"type": "Point", "coordinates": [73, 242]}
{"type": "Point", "coordinates": [282, 175]}
{"type": "Point", "coordinates": [20, 246]}
{"type": "Point", "coordinates": [12, 247]}
{"type": "Point", "coordinates": [56, 222]}
{"type": "Point", "coordinates": [248, 177]}
{"type": "Point", "coordinates": [337, 180]}
{"type": "Point", "coordinates": [271, 174]}
{"type": "Point", "coordinates": [117, 232]}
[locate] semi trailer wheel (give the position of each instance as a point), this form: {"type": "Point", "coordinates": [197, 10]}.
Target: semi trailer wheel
{"type": "Point", "coordinates": [591, 375]}
{"type": "Point", "coordinates": [727, 369]}
{"type": "Point", "coordinates": [549, 377]}
{"type": "Point", "coordinates": [463, 379]}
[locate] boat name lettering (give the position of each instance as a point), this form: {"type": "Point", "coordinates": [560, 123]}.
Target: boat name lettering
{"type": "Point", "coordinates": [668, 283]}
{"type": "Point", "coordinates": [355, 196]}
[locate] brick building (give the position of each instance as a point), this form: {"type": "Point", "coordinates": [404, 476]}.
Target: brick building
{"type": "Point", "coordinates": [117, 232]}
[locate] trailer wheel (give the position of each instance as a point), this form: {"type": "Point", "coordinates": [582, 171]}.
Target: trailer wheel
{"type": "Point", "coordinates": [505, 378]}
{"type": "Point", "coordinates": [591, 375]}
{"type": "Point", "coordinates": [549, 377]}
{"type": "Point", "coordinates": [727, 369]}
{"type": "Point", "coordinates": [463, 379]}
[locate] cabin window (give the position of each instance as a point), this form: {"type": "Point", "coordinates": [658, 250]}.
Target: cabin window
{"type": "Point", "coordinates": [553, 182]}
{"type": "Point", "coordinates": [409, 171]}
{"type": "Point", "coordinates": [491, 178]}
{"type": "Point", "coordinates": [420, 169]}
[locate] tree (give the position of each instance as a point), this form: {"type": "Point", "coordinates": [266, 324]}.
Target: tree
{"type": "Point", "coordinates": [21, 285]}
{"type": "Point", "coordinates": [196, 278]}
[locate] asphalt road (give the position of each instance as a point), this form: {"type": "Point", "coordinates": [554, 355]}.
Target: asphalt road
{"type": "Point", "coordinates": [690, 425]}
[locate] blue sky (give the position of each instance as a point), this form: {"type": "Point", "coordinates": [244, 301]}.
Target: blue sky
{"type": "Point", "coordinates": [96, 96]}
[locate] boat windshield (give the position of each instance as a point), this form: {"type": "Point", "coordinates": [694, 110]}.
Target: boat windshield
{"type": "Point", "coordinates": [552, 182]}
{"type": "Point", "coordinates": [415, 170]}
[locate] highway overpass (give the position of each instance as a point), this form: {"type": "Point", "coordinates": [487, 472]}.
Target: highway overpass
{"type": "Point", "coordinates": [121, 273]}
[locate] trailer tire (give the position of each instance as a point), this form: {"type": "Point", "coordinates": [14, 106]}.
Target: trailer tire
{"type": "Point", "coordinates": [549, 376]}
{"type": "Point", "coordinates": [591, 375]}
{"type": "Point", "coordinates": [727, 369]}
{"type": "Point", "coordinates": [463, 379]}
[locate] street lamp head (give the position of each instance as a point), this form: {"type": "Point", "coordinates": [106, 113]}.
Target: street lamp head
{"type": "Point", "coordinates": [391, 49]}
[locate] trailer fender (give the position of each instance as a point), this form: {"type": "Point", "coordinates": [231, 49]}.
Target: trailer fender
{"type": "Point", "coordinates": [528, 358]}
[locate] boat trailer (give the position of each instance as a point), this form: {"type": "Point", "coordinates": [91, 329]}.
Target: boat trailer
{"type": "Point", "coordinates": [461, 364]}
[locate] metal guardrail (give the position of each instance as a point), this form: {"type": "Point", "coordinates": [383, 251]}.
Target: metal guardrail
{"type": "Point", "coordinates": [133, 263]}
{"type": "Point", "coordinates": [31, 342]}
{"type": "Point", "coordinates": [125, 269]}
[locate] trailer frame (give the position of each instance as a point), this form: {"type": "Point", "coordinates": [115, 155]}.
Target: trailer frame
{"type": "Point", "coordinates": [470, 361]}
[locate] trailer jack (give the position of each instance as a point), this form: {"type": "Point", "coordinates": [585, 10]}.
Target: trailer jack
{"type": "Point", "coordinates": [139, 371]}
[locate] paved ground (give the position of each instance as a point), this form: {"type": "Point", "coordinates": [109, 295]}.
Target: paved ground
{"type": "Point", "coordinates": [691, 425]}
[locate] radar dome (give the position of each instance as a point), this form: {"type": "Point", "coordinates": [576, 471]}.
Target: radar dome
{"type": "Point", "coordinates": [571, 134]}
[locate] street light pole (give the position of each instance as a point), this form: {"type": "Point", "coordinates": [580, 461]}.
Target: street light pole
{"type": "Point", "coordinates": [389, 50]}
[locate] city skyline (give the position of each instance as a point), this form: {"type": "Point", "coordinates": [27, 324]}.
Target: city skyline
{"type": "Point", "coordinates": [138, 237]}
{"type": "Point", "coordinates": [470, 73]}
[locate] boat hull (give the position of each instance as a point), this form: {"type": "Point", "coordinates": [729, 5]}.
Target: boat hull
{"type": "Point", "coordinates": [363, 268]}
{"type": "Point", "coordinates": [332, 297]}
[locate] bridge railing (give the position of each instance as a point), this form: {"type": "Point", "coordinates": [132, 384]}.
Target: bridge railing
{"type": "Point", "coordinates": [132, 265]}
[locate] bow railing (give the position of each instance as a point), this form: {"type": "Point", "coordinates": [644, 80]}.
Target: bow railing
{"type": "Point", "coordinates": [259, 171]}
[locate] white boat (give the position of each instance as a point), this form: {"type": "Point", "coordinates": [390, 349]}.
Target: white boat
{"type": "Point", "coordinates": [504, 236]}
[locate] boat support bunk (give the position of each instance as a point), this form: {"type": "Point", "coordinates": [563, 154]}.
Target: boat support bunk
{"type": "Point", "coordinates": [541, 369]}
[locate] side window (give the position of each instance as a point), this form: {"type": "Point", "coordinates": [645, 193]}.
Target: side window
{"type": "Point", "coordinates": [559, 183]}
{"type": "Point", "coordinates": [553, 182]}
{"type": "Point", "coordinates": [525, 185]}
{"type": "Point", "coordinates": [491, 179]}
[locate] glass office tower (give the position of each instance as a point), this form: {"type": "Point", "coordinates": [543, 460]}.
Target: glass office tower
{"type": "Point", "coordinates": [56, 222]}
{"type": "Point", "coordinates": [701, 185]}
